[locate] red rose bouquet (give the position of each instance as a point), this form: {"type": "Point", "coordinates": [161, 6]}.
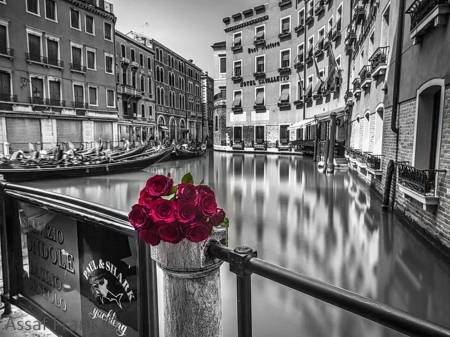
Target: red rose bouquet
{"type": "Point", "coordinates": [171, 212]}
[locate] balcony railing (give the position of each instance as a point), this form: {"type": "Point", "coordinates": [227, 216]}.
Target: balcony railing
{"type": "Point", "coordinates": [360, 12]}
{"type": "Point", "coordinates": [373, 161]}
{"type": "Point", "coordinates": [236, 46]}
{"type": "Point", "coordinates": [285, 34]}
{"type": "Point", "coordinates": [55, 63]}
{"type": "Point", "coordinates": [319, 7]}
{"type": "Point", "coordinates": [379, 59]}
{"type": "Point", "coordinates": [9, 52]}
{"type": "Point", "coordinates": [284, 3]}
{"type": "Point", "coordinates": [259, 107]}
{"type": "Point", "coordinates": [8, 98]}
{"type": "Point", "coordinates": [365, 75]}
{"type": "Point", "coordinates": [80, 105]}
{"type": "Point", "coordinates": [318, 48]}
{"type": "Point", "coordinates": [36, 58]}
{"type": "Point", "coordinates": [350, 34]}
{"type": "Point", "coordinates": [356, 86]}
{"type": "Point", "coordinates": [259, 40]}
{"type": "Point", "coordinates": [298, 62]}
{"type": "Point", "coordinates": [420, 9]}
{"type": "Point", "coordinates": [420, 181]}
{"type": "Point", "coordinates": [77, 67]}
{"type": "Point", "coordinates": [54, 102]}
{"type": "Point", "coordinates": [300, 26]}
{"type": "Point", "coordinates": [309, 16]}
{"type": "Point", "coordinates": [236, 76]}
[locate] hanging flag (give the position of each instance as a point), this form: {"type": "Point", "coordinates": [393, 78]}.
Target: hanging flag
{"type": "Point", "coordinates": [333, 69]}
{"type": "Point", "coordinates": [317, 70]}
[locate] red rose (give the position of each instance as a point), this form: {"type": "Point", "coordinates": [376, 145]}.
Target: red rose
{"type": "Point", "coordinates": [218, 218]}
{"type": "Point", "coordinates": [171, 232]}
{"type": "Point", "coordinates": [144, 198]}
{"type": "Point", "coordinates": [186, 211]}
{"type": "Point", "coordinates": [207, 204]}
{"type": "Point", "coordinates": [159, 185]}
{"type": "Point", "coordinates": [150, 236]}
{"type": "Point", "coordinates": [187, 192]}
{"type": "Point", "coordinates": [139, 216]}
{"type": "Point", "coordinates": [204, 189]}
{"type": "Point", "coordinates": [163, 210]}
{"type": "Point", "coordinates": [198, 231]}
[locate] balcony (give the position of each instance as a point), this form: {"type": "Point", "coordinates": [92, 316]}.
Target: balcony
{"type": "Point", "coordinates": [7, 52]}
{"type": "Point", "coordinates": [350, 34]}
{"type": "Point", "coordinates": [80, 105]}
{"type": "Point", "coordinates": [373, 162]}
{"type": "Point", "coordinates": [34, 58]}
{"type": "Point", "coordinates": [259, 107]}
{"type": "Point", "coordinates": [356, 87]}
{"type": "Point", "coordinates": [260, 72]}
{"type": "Point", "coordinates": [348, 98]}
{"type": "Point", "coordinates": [8, 98]}
{"type": "Point", "coordinates": [309, 55]}
{"type": "Point", "coordinates": [77, 68]}
{"type": "Point", "coordinates": [124, 60]}
{"type": "Point", "coordinates": [55, 63]}
{"type": "Point", "coordinates": [319, 7]}
{"type": "Point", "coordinates": [326, 42]}
{"type": "Point", "coordinates": [284, 3]}
{"type": "Point", "coordinates": [298, 62]}
{"type": "Point", "coordinates": [359, 13]}
{"type": "Point", "coordinates": [259, 40]}
{"type": "Point", "coordinates": [236, 76]}
{"type": "Point", "coordinates": [285, 67]}
{"type": "Point", "coordinates": [427, 14]}
{"type": "Point", "coordinates": [37, 100]}
{"type": "Point", "coordinates": [365, 76]}
{"type": "Point", "coordinates": [134, 64]}
{"type": "Point", "coordinates": [309, 16]}
{"type": "Point", "coordinates": [419, 184]}
{"type": "Point", "coordinates": [54, 102]}
{"type": "Point", "coordinates": [129, 90]}
{"type": "Point", "coordinates": [285, 34]}
{"type": "Point", "coordinates": [379, 61]}
{"type": "Point", "coordinates": [300, 26]}
{"type": "Point", "coordinates": [236, 46]}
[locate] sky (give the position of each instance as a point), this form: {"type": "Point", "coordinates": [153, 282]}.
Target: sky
{"type": "Point", "coordinates": [188, 27]}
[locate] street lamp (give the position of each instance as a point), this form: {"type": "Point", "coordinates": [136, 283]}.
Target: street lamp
{"type": "Point", "coordinates": [36, 92]}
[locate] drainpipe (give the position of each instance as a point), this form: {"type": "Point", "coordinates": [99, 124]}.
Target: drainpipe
{"type": "Point", "coordinates": [304, 56]}
{"type": "Point", "coordinates": [395, 103]}
{"type": "Point", "coordinates": [349, 67]}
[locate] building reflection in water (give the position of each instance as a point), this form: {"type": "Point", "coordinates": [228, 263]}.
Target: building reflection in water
{"type": "Point", "coordinates": [325, 226]}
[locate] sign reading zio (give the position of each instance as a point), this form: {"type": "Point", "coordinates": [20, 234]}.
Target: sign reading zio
{"type": "Point", "coordinates": [87, 283]}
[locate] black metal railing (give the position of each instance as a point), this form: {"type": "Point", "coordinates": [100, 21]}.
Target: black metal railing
{"type": "Point", "coordinates": [420, 181]}
{"type": "Point", "coordinates": [365, 73]}
{"type": "Point", "coordinates": [319, 7]}
{"type": "Point", "coordinates": [80, 105]}
{"type": "Point", "coordinates": [55, 102]}
{"type": "Point", "coordinates": [7, 51]}
{"type": "Point", "coordinates": [37, 100]}
{"type": "Point", "coordinates": [77, 67]}
{"type": "Point", "coordinates": [318, 48]}
{"type": "Point", "coordinates": [244, 262]}
{"type": "Point", "coordinates": [300, 26]}
{"type": "Point", "coordinates": [8, 98]}
{"type": "Point", "coordinates": [309, 16]}
{"type": "Point", "coordinates": [35, 58]}
{"type": "Point", "coordinates": [421, 8]}
{"type": "Point", "coordinates": [55, 63]}
{"type": "Point", "coordinates": [373, 161]}
{"type": "Point", "coordinates": [379, 57]}
{"type": "Point", "coordinates": [356, 84]}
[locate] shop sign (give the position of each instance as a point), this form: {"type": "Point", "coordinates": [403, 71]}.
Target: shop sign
{"type": "Point", "coordinates": [262, 81]}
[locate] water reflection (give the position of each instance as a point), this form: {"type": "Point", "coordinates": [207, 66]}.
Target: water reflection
{"type": "Point", "coordinates": [325, 226]}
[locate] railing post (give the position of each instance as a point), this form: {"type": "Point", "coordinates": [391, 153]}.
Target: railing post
{"type": "Point", "coordinates": [192, 297]}
{"type": "Point", "coordinates": [330, 165]}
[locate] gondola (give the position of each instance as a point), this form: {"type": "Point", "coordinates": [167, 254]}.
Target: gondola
{"type": "Point", "coordinates": [184, 153]}
{"type": "Point", "coordinates": [100, 167]}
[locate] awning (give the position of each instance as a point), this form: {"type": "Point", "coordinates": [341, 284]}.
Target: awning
{"type": "Point", "coordinates": [301, 123]}
{"type": "Point", "coordinates": [259, 98]}
{"type": "Point", "coordinates": [284, 95]}
{"type": "Point", "coordinates": [237, 41]}
{"type": "Point", "coordinates": [237, 100]}
{"type": "Point", "coordinates": [326, 115]}
{"type": "Point", "coordinates": [163, 127]}
{"type": "Point", "coordinates": [308, 90]}
{"type": "Point", "coordinates": [317, 87]}
{"type": "Point", "coordinates": [259, 35]}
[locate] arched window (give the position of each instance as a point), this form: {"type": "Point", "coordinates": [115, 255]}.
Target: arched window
{"type": "Point", "coordinates": [366, 131]}
{"type": "Point", "coordinates": [142, 83]}
{"type": "Point", "coordinates": [158, 97]}
{"type": "Point", "coordinates": [378, 133]}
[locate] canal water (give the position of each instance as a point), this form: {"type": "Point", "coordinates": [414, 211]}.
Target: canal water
{"type": "Point", "coordinates": [329, 227]}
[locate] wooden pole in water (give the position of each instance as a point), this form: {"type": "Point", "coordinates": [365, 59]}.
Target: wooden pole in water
{"type": "Point", "coordinates": [192, 298]}
{"type": "Point", "coordinates": [330, 164]}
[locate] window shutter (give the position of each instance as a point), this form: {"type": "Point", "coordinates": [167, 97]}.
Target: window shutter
{"type": "Point", "coordinates": [284, 95]}
{"type": "Point", "coordinates": [259, 98]}
{"type": "Point", "coordinates": [237, 100]}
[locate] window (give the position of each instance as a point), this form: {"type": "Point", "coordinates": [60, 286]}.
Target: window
{"type": "Point", "coordinates": [142, 83]}
{"type": "Point", "coordinates": [78, 95]}
{"type": "Point", "coordinates": [50, 10]}
{"type": "Point", "coordinates": [384, 35]}
{"type": "Point", "coordinates": [310, 47]}
{"type": "Point", "coordinates": [133, 57]}
{"type": "Point", "coordinates": [150, 111]}
{"type": "Point", "coordinates": [89, 22]}
{"type": "Point", "coordinates": [259, 33]}
{"type": "Point", "coordinates": [91, 59]}
{"type": "Point", "coordinates": [143, 111]}
{"type": "Point", "coordinates": [339, 18]}
{"type": "Point", "coordinates": [4, 43]}
{"type": "Point", "coordinates": [53, 51]}
{"type": "Point", "coordinates": [259, 96]}
{"type": "Point", "coordinates": [55, 92]}
{"type": "Point", "coordinates": [33, 7]}
{"type": "Point", "coordinates": [284, 93]}
{"type": "Point", "coordinates": [108, 31]}
{"type": "Point", "coordinates": [321, 38]}
{"type": "Point", "coordinates": [5, 86]}
{"type": "Point", "coordinates": [259, 63]}
{"type": "Point", "coordinates": [223, 65]}
{"type": "Point", "coordinates": [123, 50]}
{"type": "Point", "coordinates": [141, 60]}
{"type": "Point", "coordinates": [75, 19]}
{"type": "Point", "coordinates": [300, 90]}
{"type": "Point", "coordinates": [285, 25]}
{"type": "Point", "coordinates": [150, 86]}
{"type": "Point", "coordinates": [330, 24]}
{"type": "Point", "coordinates": [285, 59]}
{"type": "Point", "coordinates": [93, 96]}
{"type": "Point", "coordinates": [301, 19]}
{"type": "Point", "coordinates": [237, 99]}
{"type": "Point", "coordinates": [37, 90]}
{"type": "Point", "coordinates": [110, 98]}
{"type": "Point", "coordinates": [149, 63]}
{"type": "Point", "coordinates": [34, 47]}
{"type": "Point", "coordinates": [237, 69]}
{"type": "Point", "coordinates": [109, 64]}
{"type": "Point", "coordinates": [216, 123]}
{"type": "Point", "coordinates": [77, 59]}
{"type": "Point", "coordinates": [237, 40]}
{"type": "Point", "coordinates": [284, 133]}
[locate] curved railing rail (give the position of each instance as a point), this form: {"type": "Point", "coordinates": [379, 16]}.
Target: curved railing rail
{"type": "Point", "coordinates": [243, 262]}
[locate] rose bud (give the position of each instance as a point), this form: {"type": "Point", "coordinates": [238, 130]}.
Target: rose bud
{"type": "Point", "coordinates": [187, 192]}
{"type": "Point", "coordinates": [150, 236]}
{"type": "Point", "coordinates": [139, 216]}
{"type": "Point", "coordinates": [198, 231]}
{"type": "Point", "coordinates": [162, 210]}
{"type": "Point", "coordinates": [207, 204]}
{"type": "Point", "coordinates": [159, 185]}
{"type": "Point", "coordinates": [218, 218]}
{"type": "Point", "coordinates": [186, 211]}
{"type": "Point", "coordinates": [171, 232]}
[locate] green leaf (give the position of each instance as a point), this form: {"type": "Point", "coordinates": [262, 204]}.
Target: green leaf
{"type": "Point", "coordinates": [202, 182]}
{"type": "Point", "coordinates": [174, 189]}
{"type": "Point", "coordinates": [187, 178]}
{"type": "Point", "coordinates": [168, 197]}
{"type": "Point", "coordinates": [225, 223]}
